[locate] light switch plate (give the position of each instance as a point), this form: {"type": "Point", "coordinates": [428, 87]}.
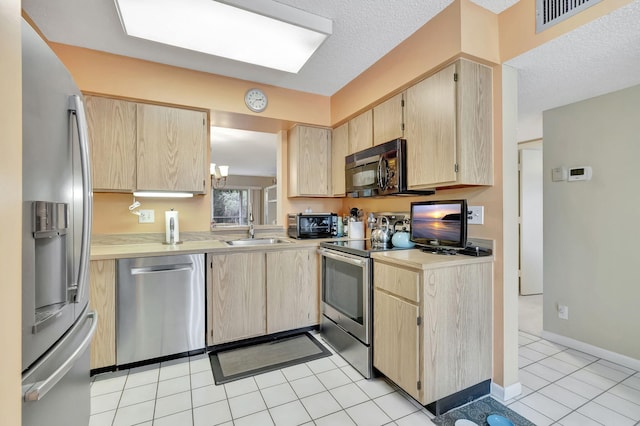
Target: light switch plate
{"type": "Point", "coordinates": [559, 174]}
{"type": "Point", "coordinates": [147, 216]}
{"type": "Point", "coordinates": [475, 215]}
{"type": "Point", "coordinates": [563, 312]}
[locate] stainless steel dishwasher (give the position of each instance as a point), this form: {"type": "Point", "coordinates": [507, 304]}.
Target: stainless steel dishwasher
{"type": "Point", "coordinates": [160, 307]}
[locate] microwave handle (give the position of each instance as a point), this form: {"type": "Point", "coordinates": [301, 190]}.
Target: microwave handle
{"type": "Point", "coordinates": [383, 172]}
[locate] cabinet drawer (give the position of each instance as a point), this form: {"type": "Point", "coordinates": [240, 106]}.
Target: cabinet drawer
{"type": "Point", "coordinates": [401, 282]}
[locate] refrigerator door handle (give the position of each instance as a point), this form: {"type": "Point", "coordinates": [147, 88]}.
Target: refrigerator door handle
{"type": "Point", "coordinates": [40, 389]}
{"type": "Point", "coordinates": [76, 106]}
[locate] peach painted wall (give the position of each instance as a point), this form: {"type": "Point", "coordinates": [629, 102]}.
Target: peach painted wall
{"type": "Point", "coordinates": [479, 32]}
{"type": "Point", "coordinates": [100, 72]}
{"type": "Point", "coordinates": [11, 213]}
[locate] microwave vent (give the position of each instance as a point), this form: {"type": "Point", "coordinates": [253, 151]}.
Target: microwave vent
{"type": "Point", "coordinates": [550, 12]}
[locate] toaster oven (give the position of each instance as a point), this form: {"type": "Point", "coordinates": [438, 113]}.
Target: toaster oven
{"type": "Point", "coordinates": [312, 225]}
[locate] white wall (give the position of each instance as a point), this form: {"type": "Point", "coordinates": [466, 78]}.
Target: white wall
{"type": "Point", "coordinates": [591, 229]}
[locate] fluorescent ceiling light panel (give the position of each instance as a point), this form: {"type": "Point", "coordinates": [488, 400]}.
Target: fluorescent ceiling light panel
{"type": "Point", "coordinates": [219, 29]}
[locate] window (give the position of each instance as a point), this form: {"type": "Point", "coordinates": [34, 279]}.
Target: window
{"type": "Point", "coordinates": [230, 206]}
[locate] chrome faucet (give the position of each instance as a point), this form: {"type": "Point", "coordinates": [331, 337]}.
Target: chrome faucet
{"type": "Point", "coordinates": [251, 230]}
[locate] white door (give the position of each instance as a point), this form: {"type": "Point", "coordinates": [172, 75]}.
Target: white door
{"type": "Point", "coordinates": [530, 221]}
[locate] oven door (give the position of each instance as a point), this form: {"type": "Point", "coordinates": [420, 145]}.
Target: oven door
{"type": "Point", "coordinates": [346, 292]}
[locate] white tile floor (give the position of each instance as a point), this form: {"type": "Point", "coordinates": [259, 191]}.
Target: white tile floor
{"type": "Point", "coordinates": [561, 386]}
{"type": "Point", "coordinates": [182, 392]}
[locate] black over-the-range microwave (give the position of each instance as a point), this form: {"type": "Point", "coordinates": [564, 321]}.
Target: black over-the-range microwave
{"type": "Point", "coordinates": [379, 170]}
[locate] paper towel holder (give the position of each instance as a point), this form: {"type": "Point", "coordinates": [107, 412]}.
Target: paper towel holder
{"type": "Point", "coordinates": [173, 221]}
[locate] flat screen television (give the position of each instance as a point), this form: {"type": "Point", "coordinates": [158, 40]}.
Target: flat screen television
{"type": "Point", "coordinates": [439, 226]}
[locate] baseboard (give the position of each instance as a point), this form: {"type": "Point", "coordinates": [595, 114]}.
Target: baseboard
{"type": "Point", "coordinates": [596, 351]}
{"type": "Point", "coordinates": [505, 394]}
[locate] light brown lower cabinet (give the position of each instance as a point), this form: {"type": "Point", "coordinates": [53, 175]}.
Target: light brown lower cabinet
{"type": "Point", "coordinates": [252, 294]}
{"type": "Point", "coordinates": [292, 290]}
{"type": "Point", "coordinates": [236, 296]}
{"type": "Point", "coordinates": [432, 326]}
{"type": "Point", "coordinates": [102, 299]}
{"type": "Point", "coordinates": [396, 331]}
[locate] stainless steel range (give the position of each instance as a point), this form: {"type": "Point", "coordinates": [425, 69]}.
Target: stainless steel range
{"type": "Point", "coordinates": [346, 323]}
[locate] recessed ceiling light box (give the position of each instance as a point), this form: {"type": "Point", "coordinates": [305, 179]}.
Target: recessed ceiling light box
{"type": "Point", "coordinates": [268, 34]}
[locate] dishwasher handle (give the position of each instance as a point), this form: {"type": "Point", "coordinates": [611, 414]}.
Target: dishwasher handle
{"type": "Point", "coordinates": [178, 267]}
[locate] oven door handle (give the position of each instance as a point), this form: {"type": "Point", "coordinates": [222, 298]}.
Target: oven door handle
{"type": "Point", "coordinates": [341, 258]}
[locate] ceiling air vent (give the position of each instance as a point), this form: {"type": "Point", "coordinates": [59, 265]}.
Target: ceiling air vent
{"type": "Point", "coordinates": [550, 12]}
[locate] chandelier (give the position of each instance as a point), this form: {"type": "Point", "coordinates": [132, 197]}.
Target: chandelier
{"type": "Point", "coordinates": [218, 175]}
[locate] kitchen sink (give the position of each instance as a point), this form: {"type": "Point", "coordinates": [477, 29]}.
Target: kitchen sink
{"type": "Point", "coordinates": [257, 241]}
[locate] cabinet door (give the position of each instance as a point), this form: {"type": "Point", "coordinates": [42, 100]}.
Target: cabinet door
{"type": "Point", "coordinates": [112, 136]}
{"type": "Point", "coordinates": [396, 341]}
{"type": "Point", "coordinates": [309, 161]}
{"type": "Point", "coordinates": [361, 132]}
{"type": "Point", "coordinates": [292, 290]}
{"type": "Point", "coordinates": [475, 125]}
{"type": "Point", "coordinates": [102, 299]}
{"type": "Point", "coordinates": [388, 121]}
{"type": "Point", "coordinates": [339, 146]}
{"type": "Point", "coordinates": [172, 147]}
{"type": "Point", "coordinates": [430, 130]}
{"type": "Point", "coordinates": [457, 328]}
{"type": "Point", "coordinates": [236, 305]}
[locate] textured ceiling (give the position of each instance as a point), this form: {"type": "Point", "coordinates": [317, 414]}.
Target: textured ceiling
{"type": "Point", "coordinates": [597, 58]}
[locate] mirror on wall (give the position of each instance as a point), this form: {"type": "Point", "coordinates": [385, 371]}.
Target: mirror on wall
{"type": "Point", "coordinates": [244, 177]}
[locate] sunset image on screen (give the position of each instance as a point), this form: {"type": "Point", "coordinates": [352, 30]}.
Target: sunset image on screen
{"type": "Point", "coordinates": [436, 221]}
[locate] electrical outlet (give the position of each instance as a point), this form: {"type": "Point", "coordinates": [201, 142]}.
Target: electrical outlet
{"type": "Point", "coordinates": [475, 215]}
{"type": "Point", "coordinates": [147, 216]}
{"type": "Point", "coordinates": [563, 312]}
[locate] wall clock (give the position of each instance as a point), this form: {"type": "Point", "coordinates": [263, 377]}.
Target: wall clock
{"type": "Point", "coordinates": [256, 100]}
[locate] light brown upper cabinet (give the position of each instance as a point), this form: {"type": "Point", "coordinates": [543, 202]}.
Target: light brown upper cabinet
{"type": "Point", "coordinates": [361, 132]}
{"type": "Point", "coordinates": [172, 148]}
{"type": "Point", "coordinates": [138, 146]}
{"type": "Point", "coordinates": [448, 127]}
{"type": "Point", "coordinates": [339, 146]}
{"type": "Point", "coordinates": [309, 161]}
{"type": "Point", "coordinates": [388, 120]}
{"type": "Point", "coordinates": [112, 130]}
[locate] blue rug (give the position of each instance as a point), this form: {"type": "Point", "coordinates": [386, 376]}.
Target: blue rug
{"type": "Point", "coordinates": [478, 411]}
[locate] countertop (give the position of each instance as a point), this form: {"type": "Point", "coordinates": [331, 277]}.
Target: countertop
{"type": "Point", "coordinates": [118, 246]}
{"type": "Point", "coordinates": [418, 259]}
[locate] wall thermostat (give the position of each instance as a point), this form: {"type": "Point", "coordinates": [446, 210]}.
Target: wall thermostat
{"type": "Point", "coordinates": [580, 173]}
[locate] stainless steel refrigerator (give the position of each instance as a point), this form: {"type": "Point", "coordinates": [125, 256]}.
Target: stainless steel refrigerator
{"type": "Point", "coordinates": [56, 233]}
